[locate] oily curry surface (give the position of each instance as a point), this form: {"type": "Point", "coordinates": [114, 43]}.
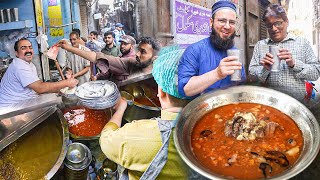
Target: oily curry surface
{"type": "Point", "coordinates": [219, 143]}
{"type": "Point", "coordinates": [86, 122]}
{"type": "Point", "coordinates": [34, 154]}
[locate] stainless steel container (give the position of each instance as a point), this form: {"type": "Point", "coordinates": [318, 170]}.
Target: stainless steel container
{"type": "Point", "coordinates": [197, 108]}
{"type": "Point", "coordinates": [2, 16]}
{"type": "Point", "coordinates": [137, 111]}
{"type": "Point", "coordinates": [8, 15]}
{"type": "Point", "coordinates": [108, 170]}
{"type": "Point", "coordinates": [56, 127]}
{"type": "Point", "coordinates": [77, 170]}
{"type": "Point", "coordinates": [236, 76]}
{"type": "Point", "coordinates": [274, 50]}
{"type": "Point", "coordinates": [15, 14]}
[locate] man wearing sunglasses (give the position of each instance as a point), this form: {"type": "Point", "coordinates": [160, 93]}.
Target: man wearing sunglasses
{"type": "Point", "coordinates": [298, 61]}
{"type": "Point", "coordinates": [204, 66]}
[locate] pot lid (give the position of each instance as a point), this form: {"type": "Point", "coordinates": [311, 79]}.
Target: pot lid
{"type": "Point", "coordinates": [99, 94]}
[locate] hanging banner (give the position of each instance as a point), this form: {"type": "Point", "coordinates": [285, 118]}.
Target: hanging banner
{"type": "Point", "coordinates": [39, 13]}
{"type": "Point", "coordinates": [190, 23]}
{"type": "Point", "coordinates": [55, 17]}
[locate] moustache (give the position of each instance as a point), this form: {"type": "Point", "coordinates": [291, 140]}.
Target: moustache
{"type": "Point", "coordinates": [28, 53]}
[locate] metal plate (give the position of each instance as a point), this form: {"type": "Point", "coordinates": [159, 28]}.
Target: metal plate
{"type": "Point", "coordinates": [251, 94]}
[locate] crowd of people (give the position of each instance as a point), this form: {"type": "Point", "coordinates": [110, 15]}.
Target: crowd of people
{"type": "Point", "coordinates": [202, 67]}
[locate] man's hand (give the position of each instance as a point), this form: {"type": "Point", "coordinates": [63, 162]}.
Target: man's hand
{"type": "Point", "coordinates": [71, 83]}
{"type": "Point", "coordinates": [64, 44]}
{"type": "Point", "coordinates": [267, 61]}
{"type": "Point", "coordinates": [227, 66]}
{"type": "Point", "coordinates": [285, 54]}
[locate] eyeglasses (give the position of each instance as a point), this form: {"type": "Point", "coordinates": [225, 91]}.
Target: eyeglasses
{"type": "Point", "coordinates": [277, 24]}
{"type": "Point", "coordinates": [223, 22]}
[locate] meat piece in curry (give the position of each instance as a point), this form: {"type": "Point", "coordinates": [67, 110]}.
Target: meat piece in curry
{"type": "Point", "coordinates": [245, 126]}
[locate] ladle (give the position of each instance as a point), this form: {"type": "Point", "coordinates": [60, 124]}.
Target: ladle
{"type": "Point", "coordinates": [138, 92]}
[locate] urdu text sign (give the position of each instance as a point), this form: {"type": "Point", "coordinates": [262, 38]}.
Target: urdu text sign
{"type": "Point", "coordinates": [190, 22]}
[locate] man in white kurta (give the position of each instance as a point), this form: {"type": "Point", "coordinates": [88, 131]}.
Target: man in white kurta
{"type": "Point", "coordinates": [79, 65]}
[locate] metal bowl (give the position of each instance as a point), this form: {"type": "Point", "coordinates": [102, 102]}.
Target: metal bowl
{"type": "Point", "coordinates": [76, 153]}
{"type": "Point", "coordinates": [197, 108]}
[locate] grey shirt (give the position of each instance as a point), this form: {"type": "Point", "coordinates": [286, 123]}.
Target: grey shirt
{"type": "Point", "coordinates": [289, 80]}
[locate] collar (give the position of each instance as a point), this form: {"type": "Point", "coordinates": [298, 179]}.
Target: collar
{"type": "Point", "coordinates": [289, 37]}
{"type": "Point", "coordinates": [24, 61]}
{"type": "Point", "coordinates": [166, 115]}
{"type": "Point", "coordinates": [107, 48]}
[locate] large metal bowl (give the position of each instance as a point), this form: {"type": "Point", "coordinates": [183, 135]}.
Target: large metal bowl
{"type": "Point", "coordinates": [194, 111]}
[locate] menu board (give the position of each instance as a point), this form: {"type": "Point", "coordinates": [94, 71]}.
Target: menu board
{"type": "Point", "coordinates": [190, 23]}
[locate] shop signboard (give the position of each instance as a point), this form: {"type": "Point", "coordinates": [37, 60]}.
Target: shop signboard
{"type": "Point", "coordinates": [190, 22]}
{"type": "Point", "coordinates": [55, 18]}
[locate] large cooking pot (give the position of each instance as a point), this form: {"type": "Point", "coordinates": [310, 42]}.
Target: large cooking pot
{"type": "Point", "coordinates": [138, 111]}
{"type": "Point", "coordinates": [63, 128]}
{"type": "Point", "coordinates": [39, 153]}
{"type": "Point", "coordinates": [193, 112]}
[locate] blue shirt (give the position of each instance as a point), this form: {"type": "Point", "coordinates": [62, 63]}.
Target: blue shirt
{"type": "Point", "coordinates": [200, 58]}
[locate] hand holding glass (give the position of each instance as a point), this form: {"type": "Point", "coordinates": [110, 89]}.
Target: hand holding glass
{"type": "Point", "coordinates": [236, 76]}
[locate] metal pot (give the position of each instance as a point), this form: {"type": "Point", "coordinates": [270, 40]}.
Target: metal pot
{"type": "Point", "coordinates": [137, 111]}
{"type": "Point", "coordinates": [193, 112]}
{"type": "Point", "coordinates": [70, 99]}
{"type": "Point", "coordinates": [65, 140]}
{"type": "Point", "coordinates": [52, 130]}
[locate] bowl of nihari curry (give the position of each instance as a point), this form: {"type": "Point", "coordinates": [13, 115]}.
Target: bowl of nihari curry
{"type": "Point", "coordinates": [247, 132]}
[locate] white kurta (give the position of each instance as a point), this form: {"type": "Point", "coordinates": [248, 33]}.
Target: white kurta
{"type": "Point", "coordinates": [77, 63]}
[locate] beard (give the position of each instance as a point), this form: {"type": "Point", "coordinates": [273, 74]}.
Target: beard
{"type": "Point", "coordinates": [219, 43]}
{"type": "Point", "coordinates": [108, 43]}
{"type": "Point", "coordinates": [138, 66]}
{"type": "Point", "coordinates": [124, 52]}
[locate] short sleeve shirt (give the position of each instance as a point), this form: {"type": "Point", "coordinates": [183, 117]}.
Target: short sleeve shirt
{"type": "Point", "coordinates": [13, 86]}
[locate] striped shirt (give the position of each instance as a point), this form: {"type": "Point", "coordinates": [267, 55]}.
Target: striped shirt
{"type": "Point", "coordinates": [289, 80]}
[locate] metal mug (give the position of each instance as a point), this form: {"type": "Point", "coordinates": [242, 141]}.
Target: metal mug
{"type": "Point", "coordinates": [2, 19]}
{"type": "Point", "coordinates": [274, 50]}
{"type": "Point", "coordinates": [108, 170]}
{"type": "Point", "coordinates": [15, 14]}
{"type": "Point", "coordinates": [236, 76]}
{"type": "Point", "coordinates": [8, 15]}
